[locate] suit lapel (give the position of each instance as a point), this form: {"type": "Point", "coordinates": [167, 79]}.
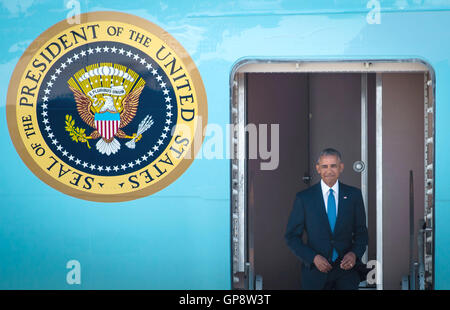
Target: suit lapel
{"type": "Point", "coordinates": [321, 207]}
{"type": "Point", "coordinates": [342, 205]}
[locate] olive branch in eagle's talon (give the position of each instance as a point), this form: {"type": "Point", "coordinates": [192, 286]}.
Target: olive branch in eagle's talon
{"type": "Point", "coordinates": [77, 134]}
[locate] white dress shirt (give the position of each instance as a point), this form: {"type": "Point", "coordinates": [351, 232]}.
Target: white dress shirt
{"type": "Point", "coordinates": [326, 193]}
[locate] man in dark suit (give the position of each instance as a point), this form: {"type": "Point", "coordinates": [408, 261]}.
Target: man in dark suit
{"type": "Point", "coordinates": [333, 216]}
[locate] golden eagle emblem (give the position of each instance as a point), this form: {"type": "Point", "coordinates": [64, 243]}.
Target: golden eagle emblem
{"type": "Point", "coordinates": [107, 98]}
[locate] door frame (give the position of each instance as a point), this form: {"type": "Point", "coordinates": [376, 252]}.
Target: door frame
{"type": "Point", "coordinates": [242, 251]}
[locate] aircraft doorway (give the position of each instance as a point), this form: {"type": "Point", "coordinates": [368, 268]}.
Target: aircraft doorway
{"type": "Point", "coordinates": [379, 116]}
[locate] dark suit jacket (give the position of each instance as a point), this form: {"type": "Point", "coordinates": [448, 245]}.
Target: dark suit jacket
{"type": "Point", "coordinates": [309, 214]}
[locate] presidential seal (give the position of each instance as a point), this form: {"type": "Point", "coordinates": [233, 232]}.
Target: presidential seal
{"type": "Point", "coordinates": [111, 109]}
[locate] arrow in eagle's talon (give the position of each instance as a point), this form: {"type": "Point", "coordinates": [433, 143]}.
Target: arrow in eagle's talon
{"type": "Point", "coordinates": [135, 137]}
{"type": "Point", "coordinates": [145, 124]}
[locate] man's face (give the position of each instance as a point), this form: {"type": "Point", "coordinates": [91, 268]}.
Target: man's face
{"type": "Point", "coordinates": [329, 168]}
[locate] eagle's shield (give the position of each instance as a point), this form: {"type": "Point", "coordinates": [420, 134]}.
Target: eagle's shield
{"type": "Point", "coordinates": [107, 124]}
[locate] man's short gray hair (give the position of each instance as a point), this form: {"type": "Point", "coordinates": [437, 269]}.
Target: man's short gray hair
{"type": "Point", "coordinates": [330, 152]}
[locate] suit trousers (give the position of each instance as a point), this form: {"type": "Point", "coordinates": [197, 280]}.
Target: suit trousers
{"type": "Point", "coordinates": [340, 279]}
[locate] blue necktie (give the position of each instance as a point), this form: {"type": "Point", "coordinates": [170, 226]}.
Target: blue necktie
{"type": "Point", "coordinates": [332, 217]}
